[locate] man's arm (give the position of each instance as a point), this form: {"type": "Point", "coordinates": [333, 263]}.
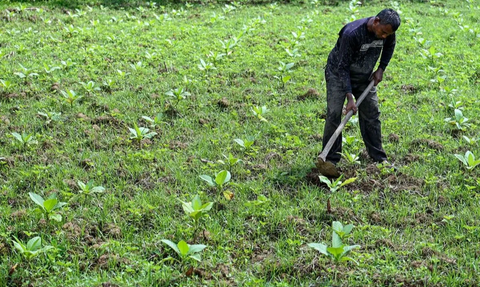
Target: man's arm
{"type": "Point", "coordinates": [345, 54]}
{"type": "Point", "coordinates": [387, 54]}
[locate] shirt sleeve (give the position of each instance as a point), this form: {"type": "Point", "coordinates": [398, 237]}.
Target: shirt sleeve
{"type": "Point", "coordinates": [387, 51]}
{"type": "Point", "coordinates": [345, 55]}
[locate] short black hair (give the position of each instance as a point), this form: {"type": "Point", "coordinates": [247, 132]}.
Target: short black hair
{"type": "Point", "coordinates": [389, 17]}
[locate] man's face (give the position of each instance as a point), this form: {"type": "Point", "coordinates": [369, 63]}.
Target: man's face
{"type": "Point", "coordinates": [382, 31]}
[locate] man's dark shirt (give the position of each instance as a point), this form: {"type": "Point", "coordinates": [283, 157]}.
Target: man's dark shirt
{"type": "Point", "coordinates": [356, 53]}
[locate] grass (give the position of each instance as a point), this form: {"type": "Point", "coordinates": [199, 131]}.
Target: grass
{"type": "Point", "coordinates": [417, 227]}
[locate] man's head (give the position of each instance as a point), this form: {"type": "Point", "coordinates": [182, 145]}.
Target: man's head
{"type": "Point", "coordinates": [386, 23]}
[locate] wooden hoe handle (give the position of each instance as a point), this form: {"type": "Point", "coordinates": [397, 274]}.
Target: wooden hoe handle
{"type": "Point", "coordinates": [337, 132]}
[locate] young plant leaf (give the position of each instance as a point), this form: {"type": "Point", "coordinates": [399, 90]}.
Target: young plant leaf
{"type": "Point", "coordinates": [36, 198]}
{"type": "Point", "coordinates": [183, 248]}
{"type": "Point", "coordinates": [208, 179]}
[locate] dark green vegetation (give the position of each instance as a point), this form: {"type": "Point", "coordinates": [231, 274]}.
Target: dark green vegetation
{"type": "Point", "coordinates": [118, 112]}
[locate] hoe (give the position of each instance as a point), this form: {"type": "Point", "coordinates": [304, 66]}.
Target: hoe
{"type": "Point", "coordinates": [325, 167]}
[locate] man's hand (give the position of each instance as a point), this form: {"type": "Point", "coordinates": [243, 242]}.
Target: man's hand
{"type": "Point", "coordinates": [377, 76]}
{"type": "Point", "coordinates": [350, 104]}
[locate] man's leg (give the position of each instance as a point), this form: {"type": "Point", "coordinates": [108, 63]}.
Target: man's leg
{"type": "Point", "coordinates": [335, 101]}
{"type": "Point", "coordinates": [370, 125]}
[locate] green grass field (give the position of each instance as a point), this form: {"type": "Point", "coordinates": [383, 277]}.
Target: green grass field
{"type": "Point", "coordinates": [146, 102]}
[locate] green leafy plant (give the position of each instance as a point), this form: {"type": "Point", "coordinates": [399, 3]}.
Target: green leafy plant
{"type": "Point", "coordinates": [178, 94]}
{"type": "Point", "coordinates": [221, 179]}
{"type": "Point", "coordinates": [6, 85]}
{"type": "Point", "coordinates": [228, 9]}
{"type": "Point", "coordinates": [157, 120]}
{"type": "Point", "coordinates": [186, 251]}
{"type": "Point", "coordinates": [89, 87]}
{"type": "Point", "coordinates": [247, 143]}
{"type": "Point", "coordinates": [214, 17]}
{"type": "Point", "coordinates": [228, 45]}
{"type": "Point", "coordinates": [205, 67]}
{"type": "Point", "coordinates": [259, 206]}
{"type": "Point", "coordinates": [31, 249]}
{"type": "Point", "coordinates": [284, 68]}
{"type": "Point", "coordinates": [49, 69]}
{"type": "Point", "coordinates": [70, 97]}
{"type": "Point", "coordinates": [48, 207]}
{"type": "Point", "coordinates": [350, 157]}
{"type": "Point", "coordinates": [26, 73]}
{"type": "Point", "coordinates": [349, 140]}
{"type": "Point", "coordinates": [25, 139]}
{"type": "Point", "coordinates": [89, 188]}
{"type": "Point", "coordinates": [259, 112]}
{"type": "Point", "coordinates": [471, 141]}
{"type": "Point", "coordinates": [196, 209]}
{"type": "Point", "coordinates": [140, 133]}
{"type": "Point", "coordinates": [334, 186]}
{"type": "Point", "coordinates": [468, 160]}
{"type": "Point", "coordinates": [67, 64]}
{"type": "Point", "coordinates": [430, 54]}
{"type": "Point", "coordinates": [215, 57]}
{"type": "Point", "coordinates": [137, 66]}
{"type": "Point", "coordinates": [338, 251]}
{"type": "Point", "coordinates": [293, 53]}
{"type": "Point", "coordinates": [459, 121]}
{"type": "Point", "coordinates": [230, 160]}
{"type": "Point", "coordinates": [50, 116]}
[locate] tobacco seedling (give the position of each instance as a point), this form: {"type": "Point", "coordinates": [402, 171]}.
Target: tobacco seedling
{"type": "Point", "coordinates": [68, 63]}
{"type": "Point", "coordinates": [48, 207]}
{"type": "Point", "coordinates": [460, 122]}
{"type": "Point", "coordinates": [468, 160]}
{"type": "Point", "coordinates": [350, 157]}
{"type": "Point", "coordinates": [338, 251]}
{"type": "Point", "coordinates": [25, 139]}
{"type": "Point", "coordinates": [259, 206]}
{"type": "Point", "coordinates": [136, 66]}
{"type": "Point", "coordinates": [430, 54]}
{"type": "Point", "coordinates": [259, 112]}
{"type": "Point", "coordinates": [214, 17]}
{"type": "Point", "coordinates": [157, 120]}
{"type": "Point", "coordinates": [26, 71]}
{"type": "Point", "coordinates": [70, 97]}
{"type": "Point", "coordinates": [186, 251]}
{"type": "Point", "coordinates": [230, 160]}
{"type": "Point", "coordinates": [349, 140]}
{"type": "Point", "coordinates": [228, 8]}
{"type": "Point", "coordinates": [284, 69]}
{"type": "Point", "coordinates": [221, 178]}
{"type": "Point", "coordinates": [471, 141]}
{"type": "Point", "coordinates": [89, 188]}
{"type": "Point", "coordinates": [228, 45]}
{"type": "Point", "coordinates": [49, 69]}
{"type": "Point", "coordinates": [50, 116]}
{"type": "Point", "coordinates": [108, 85]}
{"type": "Point", "coordinates": [205, 67]}
{"type": "Point", "coordinates": [6, 84]}
{"type": "Point", "coordinates": [31, 249]}
{"type": "Point", "coordinates": [247, 143]}
{"type": "Point", "coordinates": [293, 53]}
{"type": "Point", "coordinates": [334, 186]}
{"type": "Point", "coordinates": [178, 94]}
{"type": "Point", "coordinates": [140, 133]}
{"type": "Point", "coordinates": [90, 87]}
{"type": "Point", "coordinates": [215, 56]}
{"type": "Point", "coordinates": [196, 209]}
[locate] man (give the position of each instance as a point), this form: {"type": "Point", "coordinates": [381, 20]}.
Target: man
{"type": "Point", "coordinates": [349, 71]}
